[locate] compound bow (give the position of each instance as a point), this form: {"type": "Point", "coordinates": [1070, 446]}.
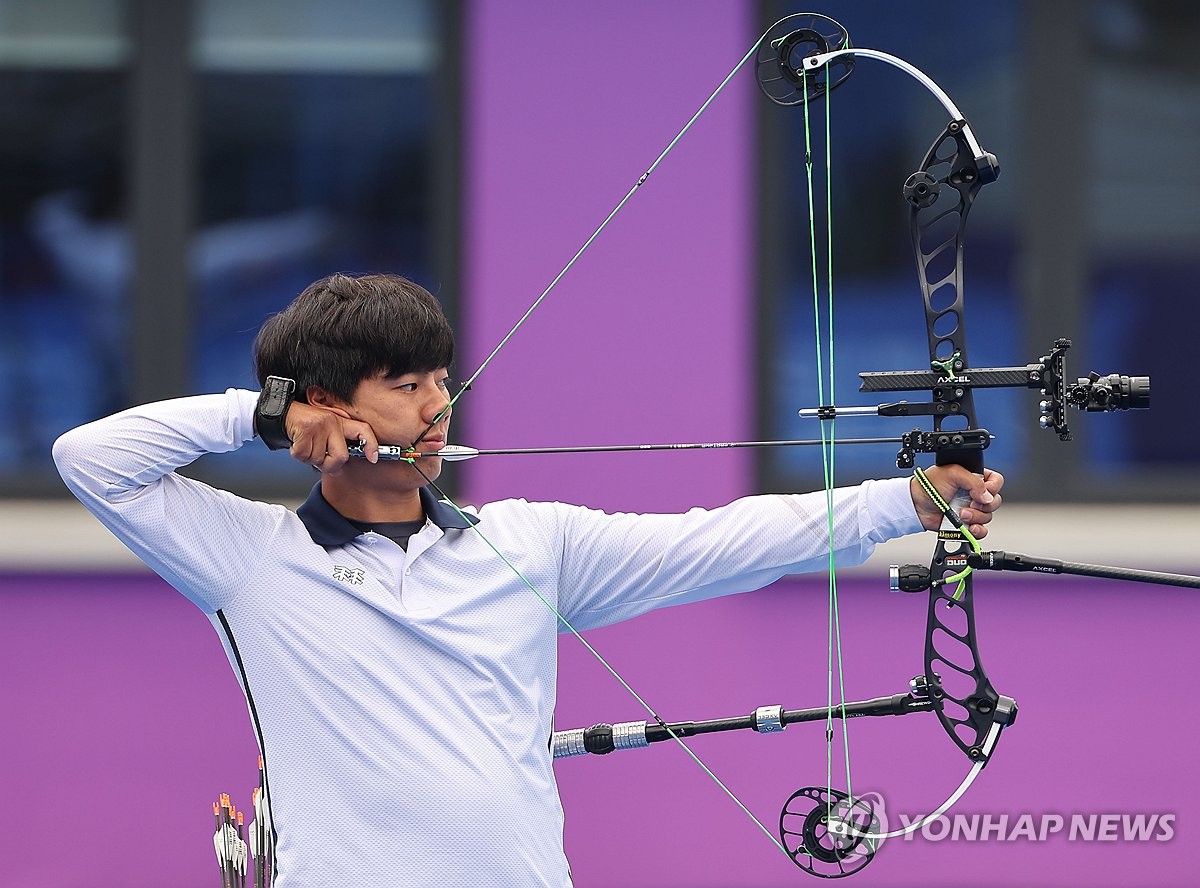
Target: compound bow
{"type": "Point", "coordinates": [825, 831]}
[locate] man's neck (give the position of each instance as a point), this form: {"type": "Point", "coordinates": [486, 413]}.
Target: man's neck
{"type": "Point", "coordinates": [371, 504]}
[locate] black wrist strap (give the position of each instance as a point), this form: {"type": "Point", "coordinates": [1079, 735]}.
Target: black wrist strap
{"type": "Point", "coordinates": [277, 395]}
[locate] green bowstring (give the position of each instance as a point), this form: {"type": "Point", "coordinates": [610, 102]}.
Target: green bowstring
{"type": "Point", "coordinates": [827, 436]}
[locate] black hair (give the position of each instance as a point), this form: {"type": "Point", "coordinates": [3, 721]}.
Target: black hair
{"type": "Point", "coordinates": [343, 329]}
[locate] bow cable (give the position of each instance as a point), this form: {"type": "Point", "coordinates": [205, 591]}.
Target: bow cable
{"type": "Point", "coordinates": [827, 441]}
{"type": "Point", "coordinates": [504, 341]}
{"type": "Point", "coordinates": [826, 357]}
{"type": "Point", "coordinates": [587, 243]}
{"type": "Point", "coordinates": [833, 822]}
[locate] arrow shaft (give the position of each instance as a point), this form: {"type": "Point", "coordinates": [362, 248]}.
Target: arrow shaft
{"type": "Point", "coordinates": [456, 453]}
{"type": "Point", "coordinates": [715, 445]}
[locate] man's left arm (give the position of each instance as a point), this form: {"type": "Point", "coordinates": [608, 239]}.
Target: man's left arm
{"type": "Point", "coordinates": [618, 566]}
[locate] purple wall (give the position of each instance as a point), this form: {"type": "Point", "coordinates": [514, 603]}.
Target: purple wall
{"type": "Point", "coordinates": [123, 722]}
{"type": "Point", "coordinates": [648, 338]}
{"type": "Point", "coordinates": [1101, 678]}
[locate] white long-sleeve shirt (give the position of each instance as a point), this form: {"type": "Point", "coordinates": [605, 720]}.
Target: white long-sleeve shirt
{"type": "Point", "coordinates": [403, 699]}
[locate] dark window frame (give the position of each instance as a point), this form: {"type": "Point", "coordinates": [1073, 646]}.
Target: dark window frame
{"type": "Point", "coordinates": [161, 194]}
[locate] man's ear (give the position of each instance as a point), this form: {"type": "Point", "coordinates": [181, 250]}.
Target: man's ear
{"type": "Point", "coordinates": [320, 397]}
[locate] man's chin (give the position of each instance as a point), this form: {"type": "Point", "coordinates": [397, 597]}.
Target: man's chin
{"type": "Point", "coordinates": [427, 468]}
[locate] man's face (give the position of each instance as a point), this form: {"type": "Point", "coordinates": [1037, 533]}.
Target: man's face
{"type": "Point", "coordinates": [401, 408]}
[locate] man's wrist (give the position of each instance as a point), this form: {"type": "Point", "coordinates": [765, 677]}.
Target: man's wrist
{"type": "Point", "coordinates": [270, 414]}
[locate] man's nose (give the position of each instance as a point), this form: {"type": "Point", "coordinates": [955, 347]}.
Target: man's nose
{"type": "Point", "coordinates": [438, 408]}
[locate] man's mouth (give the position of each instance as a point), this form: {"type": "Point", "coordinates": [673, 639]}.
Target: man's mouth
{"type": "Point", "coordinates": [430, 444]}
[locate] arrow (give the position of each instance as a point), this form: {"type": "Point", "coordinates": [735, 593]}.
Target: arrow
{"type": "Point", "coordinates": [459, 452]}
{"type": "Point", "coordinates": [240, 856]}
{"type": "Point", "coordinates": [261, 848]}
{"type": "Point", "coordinates": [219, 844]}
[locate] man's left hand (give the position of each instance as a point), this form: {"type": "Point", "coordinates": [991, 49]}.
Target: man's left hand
{"type": "Point", "coordinates": [949, 481]}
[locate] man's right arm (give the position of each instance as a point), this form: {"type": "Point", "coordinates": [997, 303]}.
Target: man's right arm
{"type": "Point", "coordinates": [205, 542]}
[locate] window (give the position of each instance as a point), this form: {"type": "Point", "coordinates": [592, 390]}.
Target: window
{"type": "Point", "coordinates": [317, 152]}
{"type": "Point", "coordinates": [183, 170]}
{"type": "Point", "coordinates": [64, 74]}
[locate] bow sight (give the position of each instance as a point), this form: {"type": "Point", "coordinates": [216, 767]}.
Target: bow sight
{"type": "Point", "coordinates": [951, 382]}
{"type": "Point", "coordinates": [1112, 392]}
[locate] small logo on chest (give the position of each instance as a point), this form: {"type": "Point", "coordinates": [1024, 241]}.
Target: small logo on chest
{"type": "Point", "coordinates": [351, 575]}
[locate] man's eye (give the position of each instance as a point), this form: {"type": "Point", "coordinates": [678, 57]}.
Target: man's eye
{"type": "Point", "coordinates": [407, 387]}
{"type": "Point", "coordinates": [445, 383]}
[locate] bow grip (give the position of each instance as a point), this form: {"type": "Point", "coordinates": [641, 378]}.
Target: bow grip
{"type": "Point", "coordinates": [972, 459]}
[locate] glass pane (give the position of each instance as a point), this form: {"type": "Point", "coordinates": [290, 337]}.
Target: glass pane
{"type": "Point", "coordinates": [64, 247]}
{"type": "Point", "coordinates": [315, 130]}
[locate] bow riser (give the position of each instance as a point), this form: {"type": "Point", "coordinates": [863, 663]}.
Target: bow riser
{"type": "Point", "coordinates": [941, 194]}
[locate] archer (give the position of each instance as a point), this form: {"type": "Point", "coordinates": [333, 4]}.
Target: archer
{"type": "Point", "coordinates": [396, 665]}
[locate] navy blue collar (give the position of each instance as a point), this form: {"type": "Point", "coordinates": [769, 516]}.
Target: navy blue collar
{"type": "Point", "coordinates": [327, 527]}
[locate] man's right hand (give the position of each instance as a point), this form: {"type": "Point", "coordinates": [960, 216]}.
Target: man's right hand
{"type": "Point", "coordinates": [319, 436]}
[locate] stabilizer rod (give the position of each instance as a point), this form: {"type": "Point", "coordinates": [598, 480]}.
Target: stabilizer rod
{"type": "Point", "coordinates": [1017, 562]}
{"type": "Point", "coordinates": [603, 739]}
